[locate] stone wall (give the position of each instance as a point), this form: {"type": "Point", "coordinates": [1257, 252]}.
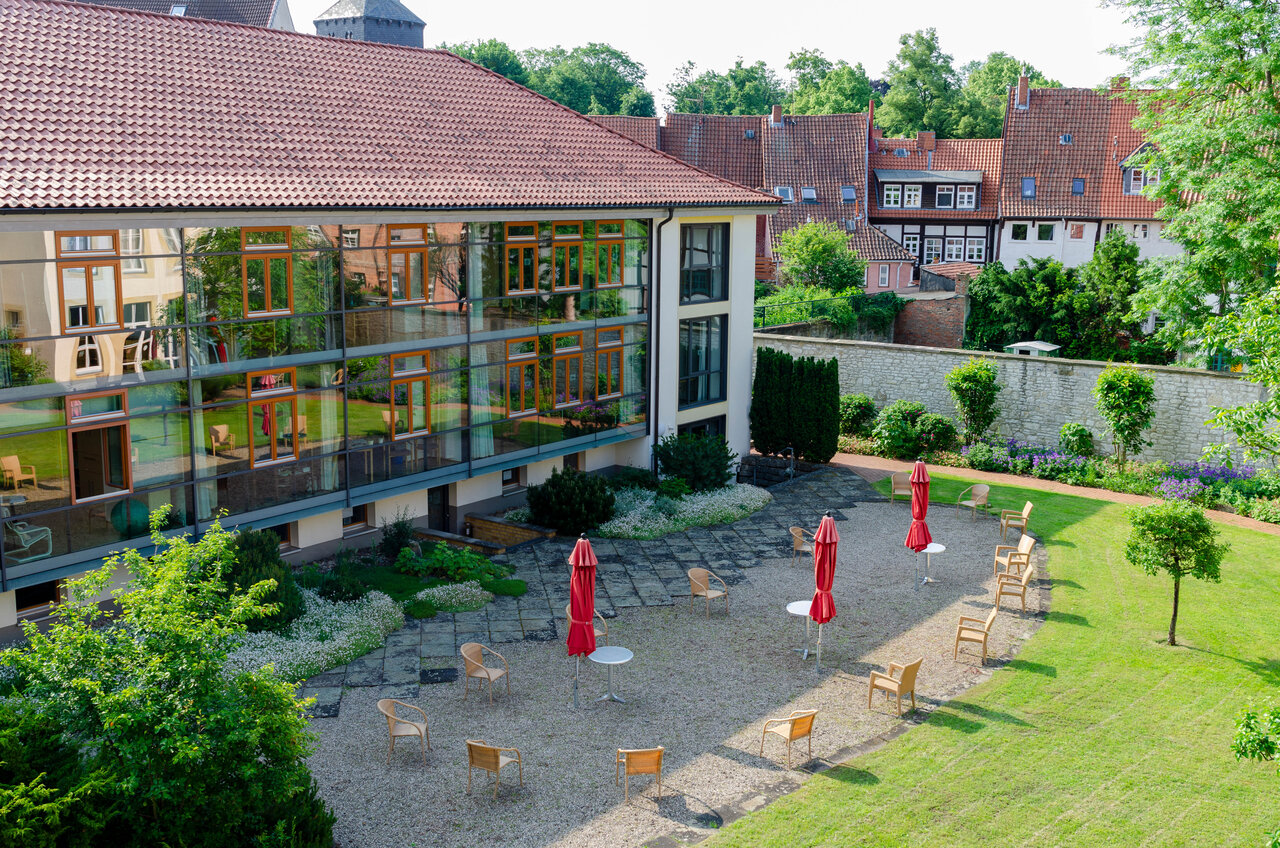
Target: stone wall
{"type": "Point", "coordinates": [1040, 394]}
{"type": "Point", "coordinates": [500, 531]}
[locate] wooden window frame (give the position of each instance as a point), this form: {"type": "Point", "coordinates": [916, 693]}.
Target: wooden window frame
{"type": "Point", "coordinates": [884, 196]}
{"type": "Point", "coordinates": [126, 460]}
{"type": "Point", "coordinates": [606, 352]}
{"type": "Point", "coordinates": [59, 235]}
{"type": "Point", "coordinates": [269, 403]}
{"type": "Point", "coordinates": [406, 378]}
{"type": "Point", "coordinates": [915, 189]}
{"type": "Point", "coordinates": [521, 361]}
{"type": "Point", "coordinates": [977, 245]}
{"type": "Point", "coordinates": [406, 249]}
{"type": "Point", "coordinates": [914, 251]}
{"type": "Point", "coordinates": [83, 420]}
{"type": "Point", "coordinates": [522, 285]}
{"type": "Point", "coordinates": [292, 388]}
{"type": "Point", "coordinates": [266, 253]}
{"type": "Point", "coordinates": [948, 243]}
{"type": "Point", "coordinates": [572, 353]}
{"type": "Point", "coordinates": [949, 191]}
{"type": "Point", "coordinates": [88, 260]}
{"type": "Point", "coordinates": [607, 243]}
{"type": "Point", "coordinates": [566, 243]}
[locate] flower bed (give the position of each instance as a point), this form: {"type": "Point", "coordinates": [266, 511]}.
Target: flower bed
{"type": "Point", "coordinates": [329, 634]}
{"type": "Point", "coordinates": [456, 597]}
{"type": "Point", "coordinates": [644, 514]}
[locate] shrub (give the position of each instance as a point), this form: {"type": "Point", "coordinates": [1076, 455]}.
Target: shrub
{"type": "Point", "coordinates": [985, 457]}
{"type": "Point", "coordinates": [673, 487]}
{"type": "Point", "coordinates": [975, 387]}
{"type": "Point", "coordinates": [443, 561]}
{"type": "Point", "coordinates": [633, 478]}
{"type": "Point", "coordinates": [342, 584]}
{"type": "Point", "coordinates": [511, 587]}
{"type": "Point", "coordinates": [303, 822]}
{"type": "Point", "coordinates": [1075, 438]}
{"type": "Point", "coordinates": [815, 409]}
{"type": "Point", "coordinates": [1184, 489]}
{"type": "Point", "coordinates": [704, 462]}
{"type": "Point", "coordinates": [408, 562]}
{"type": "Point", "coordinates": [770, 415]}
{"type": "Point", "coordinates": [570, 502]}
{"type": "Point", "coordinates": [1126, 399]}
{"type": "Point", "coordinates": [641, 515]}
{"type": "Point", "coordinates": [1262, 510]}
{"type": "Point", "coordinates": [397, 534]}
{"type": "Point", "coordinates": [857, 415]}
{"type": "Point", "coordinates": [897, 428]}
{"type": "Point", "coordinates": [257, 558]}
{"type": "Point", "coordinates": [420, 609]}
{"type": "Point", "coordinates": [456, 597]}
{"type": "Point", "coordinates": [937, 433]}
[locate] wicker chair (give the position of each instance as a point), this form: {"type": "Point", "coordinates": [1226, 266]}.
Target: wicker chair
{"type": "Point", "coordinates": [1012, 518]}
{"type": "Point", "coordinates": [903, 684]}
{"type": "Point", "coordinates": [1008, 584]}
{"type": "Point", "coordinates": [637, 761]}
{"type": "Point", "coordinates": [221, 438]}
{"type": "Point", "coordinates": [473, 658]}
{"type": "Point", "coordinates": [1014, 559]}
{"type": "Point", "coordinates": [700, 587]}
{"type": "Point", "coordinates": [977, 500]}
{"type": "Point", "coordinates": [491, 759]}
{"type": "Point", "coordinates": [798, 725]}
{"type": "Point", "coordinates": [972, 629]}
{"type": "Point", "coordinates": [799, 543]}
{"type": "Point", "coordinates": [398, 727]}
{"type": "Point", "coordinates": [901, 485]}
{"type": "Point", "coordinates": [598, 624]}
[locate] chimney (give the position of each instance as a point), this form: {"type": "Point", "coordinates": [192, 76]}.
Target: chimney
{"type": "Point", "coordinates": [1120, 84]}
{"type": "Point", "coordinates": [777, 116]}
{"type": "Point", "coordinates": [1023, 98]}
{"type": "Point", "coordinates": [926, 140]}
{"type": "Point", "coordinates": [876, 132]}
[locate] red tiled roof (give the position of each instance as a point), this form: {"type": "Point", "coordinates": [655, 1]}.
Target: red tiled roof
{"type": "Point", "coordinates": [252, 12]}
{"type": "Point", "coordinates": [949, 154]}
{"type": "Point", "coordinates": [823, 151]}
{"type": "Point", "coordinates": [954, 270]}
{"type": "Point", "coordinates": [643, 130]}
{"type": "Point", "coordinates": [871, 245]}
{"type": "Point", "coordinates": [122, 109]}
{"type": "Point", "coordinates": [717, 143]}
{"type": "Point", "coordinates": [1100, 125]}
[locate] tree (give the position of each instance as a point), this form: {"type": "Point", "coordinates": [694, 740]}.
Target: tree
{"type": "Point", "coordinates": [1029, 302]}
{"type": "Point", "coordinates": [986, 93]}
{"type": "Point", "coordinates": [1175, 537]}
{"type": "Point", "coordinates": [594, 79]}
{"type": "Point", "coordinates": [841, 90]}
{"type": "Point", "coordinates": [1258, 738]}
{"type": "Point", "coordinates": [1253, 334]}
{"type": "Point", "coordinates": [975, 388]}
{"type": "Point", "coordinates": [1126, 400]}
{"type": "Point", "coordinates": [1100, 305]}
{"type": "Point", "coordinates": [808, 68]}
{"type": "Point", "coordinates": [818, 254]}
{"type": "Point", "coordinates": [146, 695]}
{"type": "Point", "coordinates": [494, 55]}
{"type": "Point", "coordinates": [742, 90]}
{"type": "Point", "coordinates": [924, 90]}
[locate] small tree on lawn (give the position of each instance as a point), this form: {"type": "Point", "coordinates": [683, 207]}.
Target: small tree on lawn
{"type": "Point", "coordinates": [975, 388]}
{"type": "Point", "coordinates": [1258, 739]}
{"type": "Point", "coordinates": [1126, 399]}
{"type": "Point", "coordinates": [1175, 537]}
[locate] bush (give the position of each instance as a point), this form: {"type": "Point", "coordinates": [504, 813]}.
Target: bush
{"type": "Point", "coordinates": [673, 487]}
{"type": "Point", "coordinates": [511, 587]}
{"type": "Point", "coordinates": [937, 433]}
{"type": "Point", "coordinates": [1076, 439]}
{"type": "Point", "coordinates": [857, 415]}
{"type": "Point", "coordinates": [897, 429]}
{"type": "Point", "coordinates": [1126, 399]}
{"type": "Point", "coordinates": [257, 558]}
{"type": "Point", "coordinates": [770, 414]}
{"type": "Point", "coordinates": [456, 597]}
{"type": "Point", "coordinates": [795, 403]}
{"type": "Point", "coordinates": [420, 609]}
{"type": "Point", "coordinates": [342, 584]}
{"type": "Point", "coordinates": [634, 478]}
{"type": "Point", "coordinates": [303, 822]}
{"type": "Point", "coordinates": [703, 462]}
{"type": "Point", "coordinates": [408, 562]}
{"type": "Point", "coordinates": [443, 561]}
{"type": "Point", "coordinates": [397, 534]}
{"type": "Point", "coordinates": [974, 388]}
{"type": "Point", "coordinates": [570, 502]}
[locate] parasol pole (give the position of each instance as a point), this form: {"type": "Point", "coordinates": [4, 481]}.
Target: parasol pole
{"type": "Point", "coordinates": [818, 665]}
{"type": "Point", "coordinates": [577, 666]}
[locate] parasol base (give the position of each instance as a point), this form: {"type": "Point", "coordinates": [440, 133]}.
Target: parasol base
{"type": "Point", "coordinates": [609, 696]}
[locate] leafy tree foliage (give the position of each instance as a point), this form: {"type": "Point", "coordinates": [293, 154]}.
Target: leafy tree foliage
{"type": "Point", "coordinates": [1100, 304]}
{"type": "Point", "coordinates": [975, 388]}
{"type": "Point", "coordinates": [986, 93]}
{"type": "Point", "coordinates": [493, 54]}
{"type": "Point", "coordinates": [256, 558]}
{"type": "Point", "coordinates": [1254, 334]}
{"type": "Point", "coordinates": [741, 90]}
{"type": "Point", "coordinates": [795, 403]}
{"type": "Point", "coordinates": [823, 87]}
{"type": "Point", "coordinates": [594, 79]}
{"type": "Point", "coordinates": [1174, 537]}
{"type": "Point", "coordinates": [1126, 400]}
{"type": "Point", "coordinates": [924, 89]}
{"type": "Point", "coordinates": [818, 254]}
{"type": "Point", "coordinates": [1012, 306]}
{"type": "Point", "coordinates": [1258, 738]}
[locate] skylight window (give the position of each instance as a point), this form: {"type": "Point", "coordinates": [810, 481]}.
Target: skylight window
{"type": "Point", "coordinates": [1028, 187]}
{"type": "Point", "coordinates": [809, 194]}
{"type": "Point", "coordinates": [1077, 186]}
{"type": "Point", "coordinates": [179, 9]}
{"type": "Point", "coordinates": [1065, 138]}
{"type": "Point", "coordinates": [902, 153]}
{"type": "Point", "coordinates": [785, 193]}
{"type": "Point", "coordinates": [848, 193]}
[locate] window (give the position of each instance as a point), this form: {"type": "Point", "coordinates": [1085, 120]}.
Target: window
{"type": "Point", "coordinates": [1028, 187]}
{"type": "Point", "coordinates": [848, 194]}
{"type": "Point", "coordinates": [702, 361]}
{"type": "Point", "coordinates": [88, 355]}
{"type": "Point", "coordinates": [1153, 177]}
{"type": "Point", "coordinates": [35, 602]}
{"type": "Point", "coordinates": [350, 237]}
{"type": "Point", "coordinates": [609, 253]}
{"type": "Point", "coordinates": [945, 197]}
{"type": "Point", "coordinates": [1044, 232]}
{"type": "Point", "coordinates": [566, 369]}
{"type": "Point", "coordinates": [12, 319]}
{"type": "Point", "coordinates": [911, 197]}
{"type": "Point", "coordinates": [522, 258]}
{"type": "Point", "coordinates": [884, 276]}
{"type": "Point", "coordinates": [967, 197]}
{"type": "Point", "coordinates": [704, 262]}
{"type": "Point", "coordinates": [1140, 232]}
{"type": "Point", "coordinates": [608, 363]}
{"type": "Point", "coordinates": [89, 280]}
{"type": "Point", "coordinates": [131, 248]}
{"type": "Point", "coordinates": [274, 426]}
{"type": "Point", "coordinates": [355, 519]}
{"type": "Point", "coordinates": [100, 461]}
{"type": "Point", "coordinates": [911, 243]}
{"type": "Point", "coordinates": [1065, 138]}
{"type": "Point", "coordinates": [1018, 232]}
{"type": "Point", "coordinates": [138, 344]}
{"type": "Point", "coordinates": [1077, 186]}
{"type": "Point", "coordinates": [284, 532]}
{"type": "Point", "coordinates": [1109, 227]}
{"type": "Point", "coordinates": [566, 256]}
{"type": "Point", "coordinates": [955, 249]}
{"type": "Point", "coordinates": [407, 261]}
{"type": "Point", "coordinates": [901, 152]}
{"type": "Point", "coordinates": [785, 194]}
{"type": "Point", "coordinates": [975, 250]}
{"type": "Point", "coordinates": [892, 197]}
{"type": "Point", "coordinates": [410, 394]}
{"type": "Point", "coordinates": [512, 479]}
{"type": "Point", "coordinates": [178, 9]}
{"type": "Point", "coordinates": [932, 250]}
{"type": "Point", "coordinates": [704, 427]}
{"type": "Point", "coordinates": [522, 376]}
{"type": "Point", "coordinates": [809, 194]}
{"type": "Point", "coordinates": [267, 270]}
{"type": "Point", "coordinates": [1075, 232]}
{"type": "Point", "coordinates": [1133, 183]}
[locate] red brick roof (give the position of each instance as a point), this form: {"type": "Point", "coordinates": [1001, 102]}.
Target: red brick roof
{"type": "Point", "coordinates": [949, 154]}
{"type": "Point", "coordinates": [874, 246]}
{"type": "Point", "coordinates": [122, 109]}
{"type": "Point", "coordinates": [717, 143]}
{"type": "Point", "coordinates": [251, 12]}
{"type": "Point", "coordinates": [643, 130]}
{"type": "Point", "coordinates": [954, 270]}
{"type": "Point", "coordinates": [1100, 125]}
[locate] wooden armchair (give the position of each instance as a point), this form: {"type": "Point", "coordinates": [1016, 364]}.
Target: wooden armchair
{"type": "Point", "coordinates": [973, 629]}
{"type": "Point", "coordinates": [392, 424]}
{"type": "Point", "coordinates": [221, 438]}
{"type": "Point", "coordinates": [398, 727]}
{"type": "Point", "coordinates": [598, 624]}
{"type": "Point", "coordinates": [14, 473]}
{"type": "Point", "coordinates": [1014, 559]}
{"type": "Point", "coordinates": [901, 485]}
{"type": "Point", "coordinates": [491, 759]}
{"type": "Point", "coordinates": [798, 725]}
{"type": "Point", "coordinates": [1008, 584]}
{"type": "Point", "coordinates": [1011, 518]}
{"type": "Point", "coordinates": [801, 543]}
{"type": "Point", "coordinates": [977, 500]}
{"type": "Point", "coordinates": [637, 761]}
{"type": "Point", "coordinates": [299, 439]}
{"type": "Point", "coordinates": [903, 684]}
{"type": "Point", "coordinates": [700, 587]}
{"type": "Point", "coordinates": [473, 658]}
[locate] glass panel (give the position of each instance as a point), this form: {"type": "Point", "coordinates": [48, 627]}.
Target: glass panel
{"type": "Point", "coordinates": [271, 381]}
{"type": "Point", "coordinates": [410, 362]}
{"type": "Point", "coordinates": [417, 401]}
{"type": "Point", "coordinates": [98, 463]}
{"type": "Point", "coordinates": [90, 407]}
{"type": "Point", "coordinates": [266, 237]}
{"type": "Point", "coordinates": [87, 243]}
{"type": "Point", "coordinates": [279, 283]}
{"type": "Point", "coordinates": [268, 340]}
{"type": "Point", "coordinates": [160, 449]}
{"type": "Point", "coordinates": [75, 296]}
{"type": "Point", "coordinates": [105, 296]}
{"type": "Point", "coordinates": [270, 486]}
{"type": "Point", "coordinates": [34, 472]}
{"type": "Point", "coordinates": [255, 283]}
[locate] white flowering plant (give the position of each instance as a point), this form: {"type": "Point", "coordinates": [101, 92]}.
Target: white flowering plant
{"type": "Point", "coordinates": [328, 634]}
{"type": "Point", "coordinates": [456, 597]}
{"type": "Point", "coordinates": [643, 514]}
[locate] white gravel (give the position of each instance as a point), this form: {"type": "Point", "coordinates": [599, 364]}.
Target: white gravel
{"type": "Point", "coordinates": [701, 688]}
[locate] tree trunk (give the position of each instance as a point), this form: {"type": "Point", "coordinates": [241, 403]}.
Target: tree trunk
{"type": "Point", "coordinates": [1173, 622]}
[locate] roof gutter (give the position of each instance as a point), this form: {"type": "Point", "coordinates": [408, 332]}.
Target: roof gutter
{"type": "Point", "coordinates": [657, 359]}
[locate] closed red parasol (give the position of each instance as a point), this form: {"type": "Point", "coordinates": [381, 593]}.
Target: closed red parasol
{"type": "Point", "coordinates": [823, 608]}
{"type": "Point", "coordinates": [918, 536]}
{"type": "Point", "coordinates": [582, 605]}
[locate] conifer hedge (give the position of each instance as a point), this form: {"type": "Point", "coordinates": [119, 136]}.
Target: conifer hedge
{"type": "Point", "coordinates": [795, 403]}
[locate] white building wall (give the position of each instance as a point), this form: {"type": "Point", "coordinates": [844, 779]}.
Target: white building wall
{"type": "Point", "coordinates": [1152, 244]}
{"type": "Point", "coordinates": [1062, 247]}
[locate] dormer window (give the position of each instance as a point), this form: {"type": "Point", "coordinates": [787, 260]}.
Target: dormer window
{"type": "Point", "coordinates": [848, 194]}
{"type": "Point", "coordinates": [902, 153]}
{"type": "Point", "coordinates": [911, 196]}
{"type": "Point", "coordinates": [946, 197]}
{"type": "Point", "coordinates": [785, 194]}
{"type": "Point", "coordinates": [966, 197]}
{"type": "Point", "coordinates": [809, 194]}
{"type": "Point", "coordinates": [892, 197]}
{"type": "Point", "coordinates": [179, 9]}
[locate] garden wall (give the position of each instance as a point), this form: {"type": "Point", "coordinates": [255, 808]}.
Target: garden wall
{"type": "Point", "coordinates": [1040, 394]}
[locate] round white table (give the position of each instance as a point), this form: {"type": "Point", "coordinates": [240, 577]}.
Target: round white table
{"type": "Point", "coordinates": [929, 550]}
{"type": "Point", "coordinates": [802, 608]}
{"type": "Point", "coordinates": [609, 656]}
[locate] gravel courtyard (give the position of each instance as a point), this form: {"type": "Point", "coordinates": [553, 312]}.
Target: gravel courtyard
{"type": "Point", "coordinates": [701, 688]}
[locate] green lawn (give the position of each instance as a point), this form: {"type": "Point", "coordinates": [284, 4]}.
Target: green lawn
{"type": "Point", "coordinates": [1097, 734]}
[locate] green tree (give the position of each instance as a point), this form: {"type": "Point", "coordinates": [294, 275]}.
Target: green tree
{"type": "Point", "coordinates": [986, 93]}
{"type": "Point", "coordinates": [841, 90]}
{"type": "Point", "coordinates": [1030, 302]}
{"type": "Point", "coordinates": [1126, 400]}
{"type": "Point", "coordinates": [1258, 738]}
{"type": "Point", "coordinates": [924, 89]}
{"type": "Point", "coordinates": [808, 68]}
{"type": "Point", "coordinates": [1100, 304]}
{"type": "Point", "coordinates": [1253, 333]}
{"type": "Point", "coordinates": [146, 694]}
{"type": "Point", "coordinates": [818, 254]}
{"type": "Point", "coordinates": [742, 90]}
{"type": "Point", "coordinates": [593, 79]}
{"type": "Point", "coordinates": [493, 54]}
{"type": "Point", "coordinates": [975, 388]}
{"type": "Point", "coordinates": [1174, 537]}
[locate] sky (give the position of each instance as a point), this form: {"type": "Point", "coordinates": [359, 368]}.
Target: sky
{"type": "Point", "coordinates": [1064, 39]}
